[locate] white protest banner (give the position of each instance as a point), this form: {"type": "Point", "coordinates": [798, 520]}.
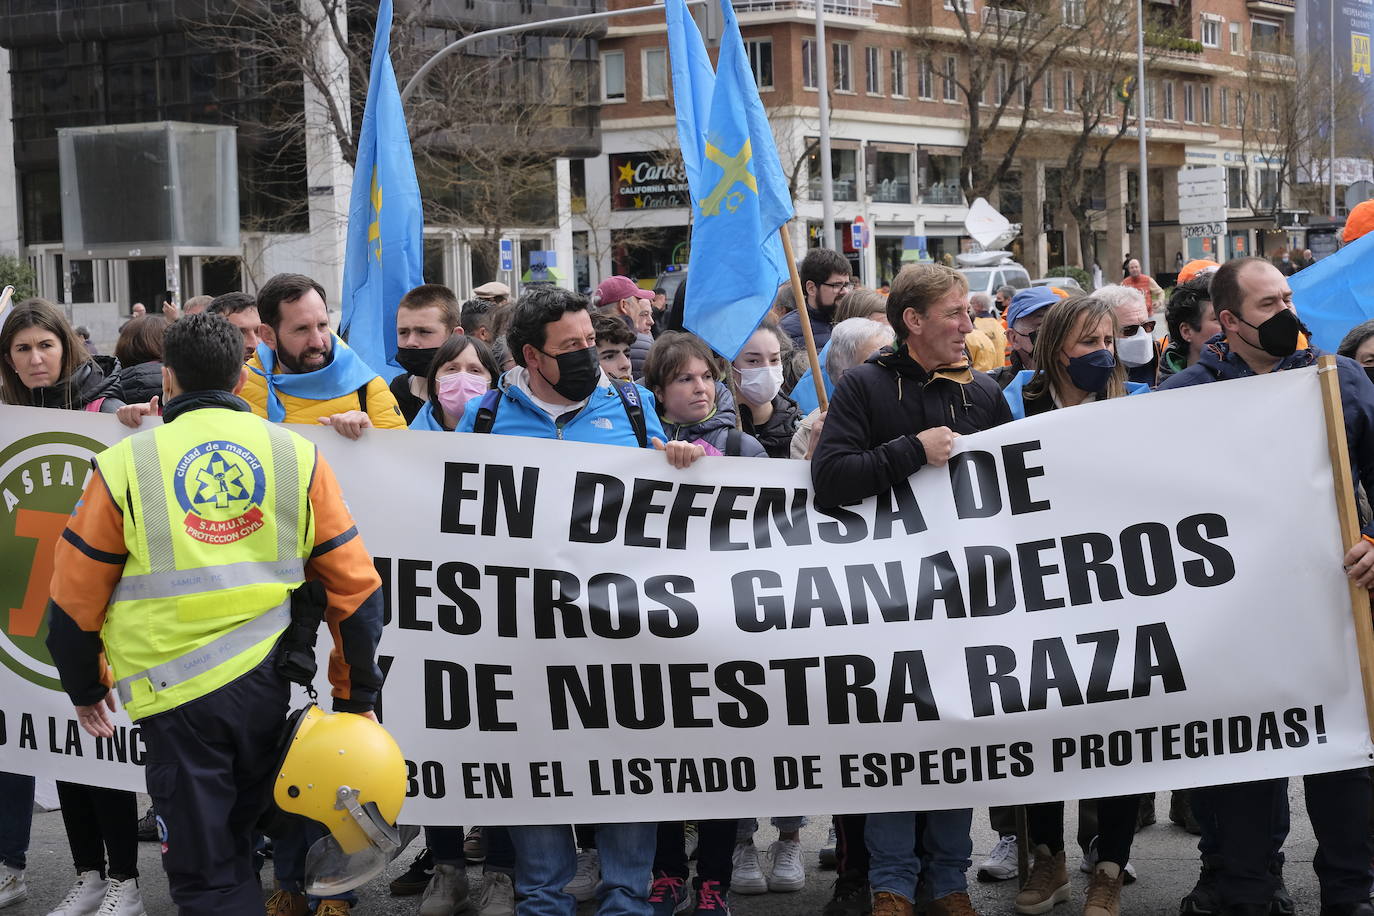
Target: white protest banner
{"type": "Point", "coordinates": [1121, 597]}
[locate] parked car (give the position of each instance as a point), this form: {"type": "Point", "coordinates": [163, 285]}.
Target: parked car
{"type": "Point", "coordinates": [990, 279]}
{"type": "Point", "coordinates": [1068, 283]}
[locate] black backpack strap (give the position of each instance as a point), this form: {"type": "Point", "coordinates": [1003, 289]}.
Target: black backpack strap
{"type": "Point", "coordinates": [362, 398]}
{"type": "Point", "coordinates": [634, 408]}
{"type": "Point", "coordinates": [486, 411]}
{"type": "Point", "coordinates": [732, 442]}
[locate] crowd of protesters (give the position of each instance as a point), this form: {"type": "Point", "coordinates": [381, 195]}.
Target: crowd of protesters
{"type": "Point", "coordinates": [617, 368]}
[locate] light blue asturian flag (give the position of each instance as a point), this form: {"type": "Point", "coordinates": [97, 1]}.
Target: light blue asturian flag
{"type": "Point", "coordinates": [384, 257]}
{"type": "Point", "coordinates": [740, 198]}
{"type": "Point", "coordinates": [1337, 292]}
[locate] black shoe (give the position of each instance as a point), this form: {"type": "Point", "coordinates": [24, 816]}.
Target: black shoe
{"type": "Point", "coordinates": [1358, 908]}
{"type": "Point", "coordinates": [1205, 898]}
{"type": "Point", "coordinates": [1281, 904]}
{"type": "Point", "coordinates": [147, 827]}
{"type": "Point", "coordinates": [416, 878]}
{"type": "Point", "coordinates": [851, 897]}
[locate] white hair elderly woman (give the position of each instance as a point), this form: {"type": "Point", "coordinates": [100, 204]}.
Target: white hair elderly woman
{"type": "Point", "coordinates": [851, 342]}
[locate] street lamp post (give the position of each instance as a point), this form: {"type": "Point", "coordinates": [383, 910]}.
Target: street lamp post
{"type": "Point", "coordinates": [1140, 93]}
{"type": "Point", "coordinates": [823, 100]}
{"type": "Point", "coordinates": [439, 55]}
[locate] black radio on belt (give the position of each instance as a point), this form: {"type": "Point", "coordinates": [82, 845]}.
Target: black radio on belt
{"type": "Point", "coordinates": [296, 650]}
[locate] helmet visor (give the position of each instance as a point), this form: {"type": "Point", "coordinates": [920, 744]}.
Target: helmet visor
{"type": "Point", "coordinates": [330, 871]}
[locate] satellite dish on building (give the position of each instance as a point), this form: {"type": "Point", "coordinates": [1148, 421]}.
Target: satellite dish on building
{"type": "Point", "coordinates": [1358, 193]}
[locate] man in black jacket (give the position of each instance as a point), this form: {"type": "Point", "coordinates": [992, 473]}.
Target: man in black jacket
{"type": "Point", "coordinates": [891, 416]}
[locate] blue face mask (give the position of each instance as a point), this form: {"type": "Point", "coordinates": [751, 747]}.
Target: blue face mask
{"type": "Point", "coordinates": [1091, 371]}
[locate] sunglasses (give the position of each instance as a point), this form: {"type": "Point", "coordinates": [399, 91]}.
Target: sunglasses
{"type": "Point", "coordinates": [1131, 330]}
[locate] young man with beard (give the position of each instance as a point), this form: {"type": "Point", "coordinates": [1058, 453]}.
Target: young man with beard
{"type": "Point", "coordinates": [302, 373]}
{"type": "Point", "coordinates": [425, 317]}
{"type": "Point", "coordinates": [825, 281]}
{"type": "Point", "coordinates": [895, 414]}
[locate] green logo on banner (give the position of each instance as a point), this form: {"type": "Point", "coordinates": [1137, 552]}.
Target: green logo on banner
{"type": "Point", "coordinates": [41, 479]}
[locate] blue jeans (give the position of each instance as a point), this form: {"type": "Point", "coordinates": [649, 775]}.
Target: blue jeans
{"type": "Point", "coordinates": [16, 818]}
{"type": "Point", "coordinates": [748, 826]}
{"type": "Point", "coordinates": [893, 866]}
{"type": "Point", "coordinates": [546, 860]}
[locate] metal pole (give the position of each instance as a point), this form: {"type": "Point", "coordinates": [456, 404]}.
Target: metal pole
{"type": "Point", "coordinates": [823, 90]}
{"type": "Point", "coordinates": [429, 65]}
{"type": "Point", "coordinates": [1331, 156]}
{"type": "Point", "coordinates": [1144, 189]}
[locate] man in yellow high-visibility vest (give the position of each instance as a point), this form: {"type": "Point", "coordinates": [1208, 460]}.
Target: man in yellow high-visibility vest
{"type": "Point", "coordinates": [179, 562]}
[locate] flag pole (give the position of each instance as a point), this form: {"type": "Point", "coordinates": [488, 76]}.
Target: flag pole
{"type": "Point", "coordinates": [805, 318]}
{"type": "Point", "coordinates": [1349, 521]}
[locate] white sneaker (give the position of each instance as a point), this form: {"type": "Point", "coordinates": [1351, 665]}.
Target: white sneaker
{"type": "Point", "coordinates": [1089, 864]}
{"type": "Point", "coordinates": [1000, 865]}
{"type": "Point", "coordinates": [498, 895]}
{"type": "Point", "coordinates": [447, 892]}
{"type": "Point", "coordinates": [122, 898]}
{"type": "Point", "coordinates": [12, 886]}
{"type": "Point", "coordinates": [588, 876]}
{"type": "Point", "coordinates": [747, 876]}
{"type": "Point", "coordinates": [785, 871]}
{"type": "Point", "coordinates": [84, 898]}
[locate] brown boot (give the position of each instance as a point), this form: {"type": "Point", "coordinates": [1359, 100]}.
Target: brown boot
{"type": "Point", "coordinates": [1104, 891]}
{"type": "Point", "coordinates": [1047, 885]}
{"type": "Point", "coordinates": [285, 903]}
{"type": "Point", "coordinates": [952, 905]}
{"type": "Point", "coordinates": [886, 904]}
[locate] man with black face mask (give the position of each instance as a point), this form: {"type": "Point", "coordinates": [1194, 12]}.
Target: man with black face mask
{"type": "Point", "coordinates": [1261, 333]}
{"type": "Point", "coordinates": [558, 391]}
{"type": "Point", "coordinates": [425, 317]}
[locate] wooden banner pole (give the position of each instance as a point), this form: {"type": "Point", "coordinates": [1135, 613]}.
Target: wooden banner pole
{"type": "Point", "coordinates": [800, 300]}
{"type": "Point", "coordinates": [1349, 521]}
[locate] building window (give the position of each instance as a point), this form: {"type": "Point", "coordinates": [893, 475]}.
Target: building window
{"type": "Point", "coordinates": [1048, 82]}
{"type": "Point", "coordinates": [897, 63]}
{"type": "Point", "coordinates": [1235, 188]}
{"type": "Point", "coordinates": [951, 79]}
{"type": "Point", "coordinates": [1150, 99]}
{"type": "Point", "coordinates": [1211, 32]}
{"type": "Point", "coordinates": [1189, 103]}
{"type": "Point", "coordinates": [965, 5]}
{"type": "Point", "coordinates": [1236, 46]}
{"type": "Point", "coordinates": [843, 174]}
{"type": "Point", "coordinates": [891, 181]}
{"type": "Point", "coordinates": [1027, 98]}
{"type": "Point", "coordinates": [655, 62]}
{"type": "Point", "coordinates": [1273, 112]}
{"type": "Point", "coordinates": [940, 180]}
{"type": "Point", "coordinates": [1169, 113]}
{"type": "Point", "coordinates": [761, 61]}
{"type": "Point", "coordinates": [839, 59]}
{"type": "Point", "coordinates": [1225, 106]}
{"type": "Point", "coordinates": [925, 78]}
{"type": "Point", "coordinates": [1070, 95]}
{"type": "Point", "coordinates": [808, 63]}
{"type": "Point", "coordinates": [1266, 35]}
{"type": "Point", "coordinates": [873, 71]}
{"type": "Point", "coordinates": [1240, 108]}
{"type": "Point", "coordinates": [1075, 12]}
{"type": "Point", "coordinates": [613, 76]}
{"type": "Point", "coordinates": [1206, 104]}
{"type": "Point", "coordinates": [1268, 190]}
{"type": "Point", "coordinates": [1003, 83]}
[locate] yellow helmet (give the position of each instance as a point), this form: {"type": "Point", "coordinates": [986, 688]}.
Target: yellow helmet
{"type": "Point", "coordinates": [347, 773]}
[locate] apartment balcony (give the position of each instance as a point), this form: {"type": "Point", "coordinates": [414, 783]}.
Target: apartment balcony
{"type": "Point", "coordinates": [858, 9]}
{"type": "Point", "coordinates": [1281, 7]}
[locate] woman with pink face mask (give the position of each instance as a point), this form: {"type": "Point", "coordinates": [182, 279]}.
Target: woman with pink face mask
{"type": "Point", "coordinates": [462, 370]}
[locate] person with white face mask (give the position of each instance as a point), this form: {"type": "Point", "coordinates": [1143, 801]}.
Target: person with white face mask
{"type": "Point", "coordinates": [1135, 342]}
{"type": "Point", "coordinates": [757, 373]}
